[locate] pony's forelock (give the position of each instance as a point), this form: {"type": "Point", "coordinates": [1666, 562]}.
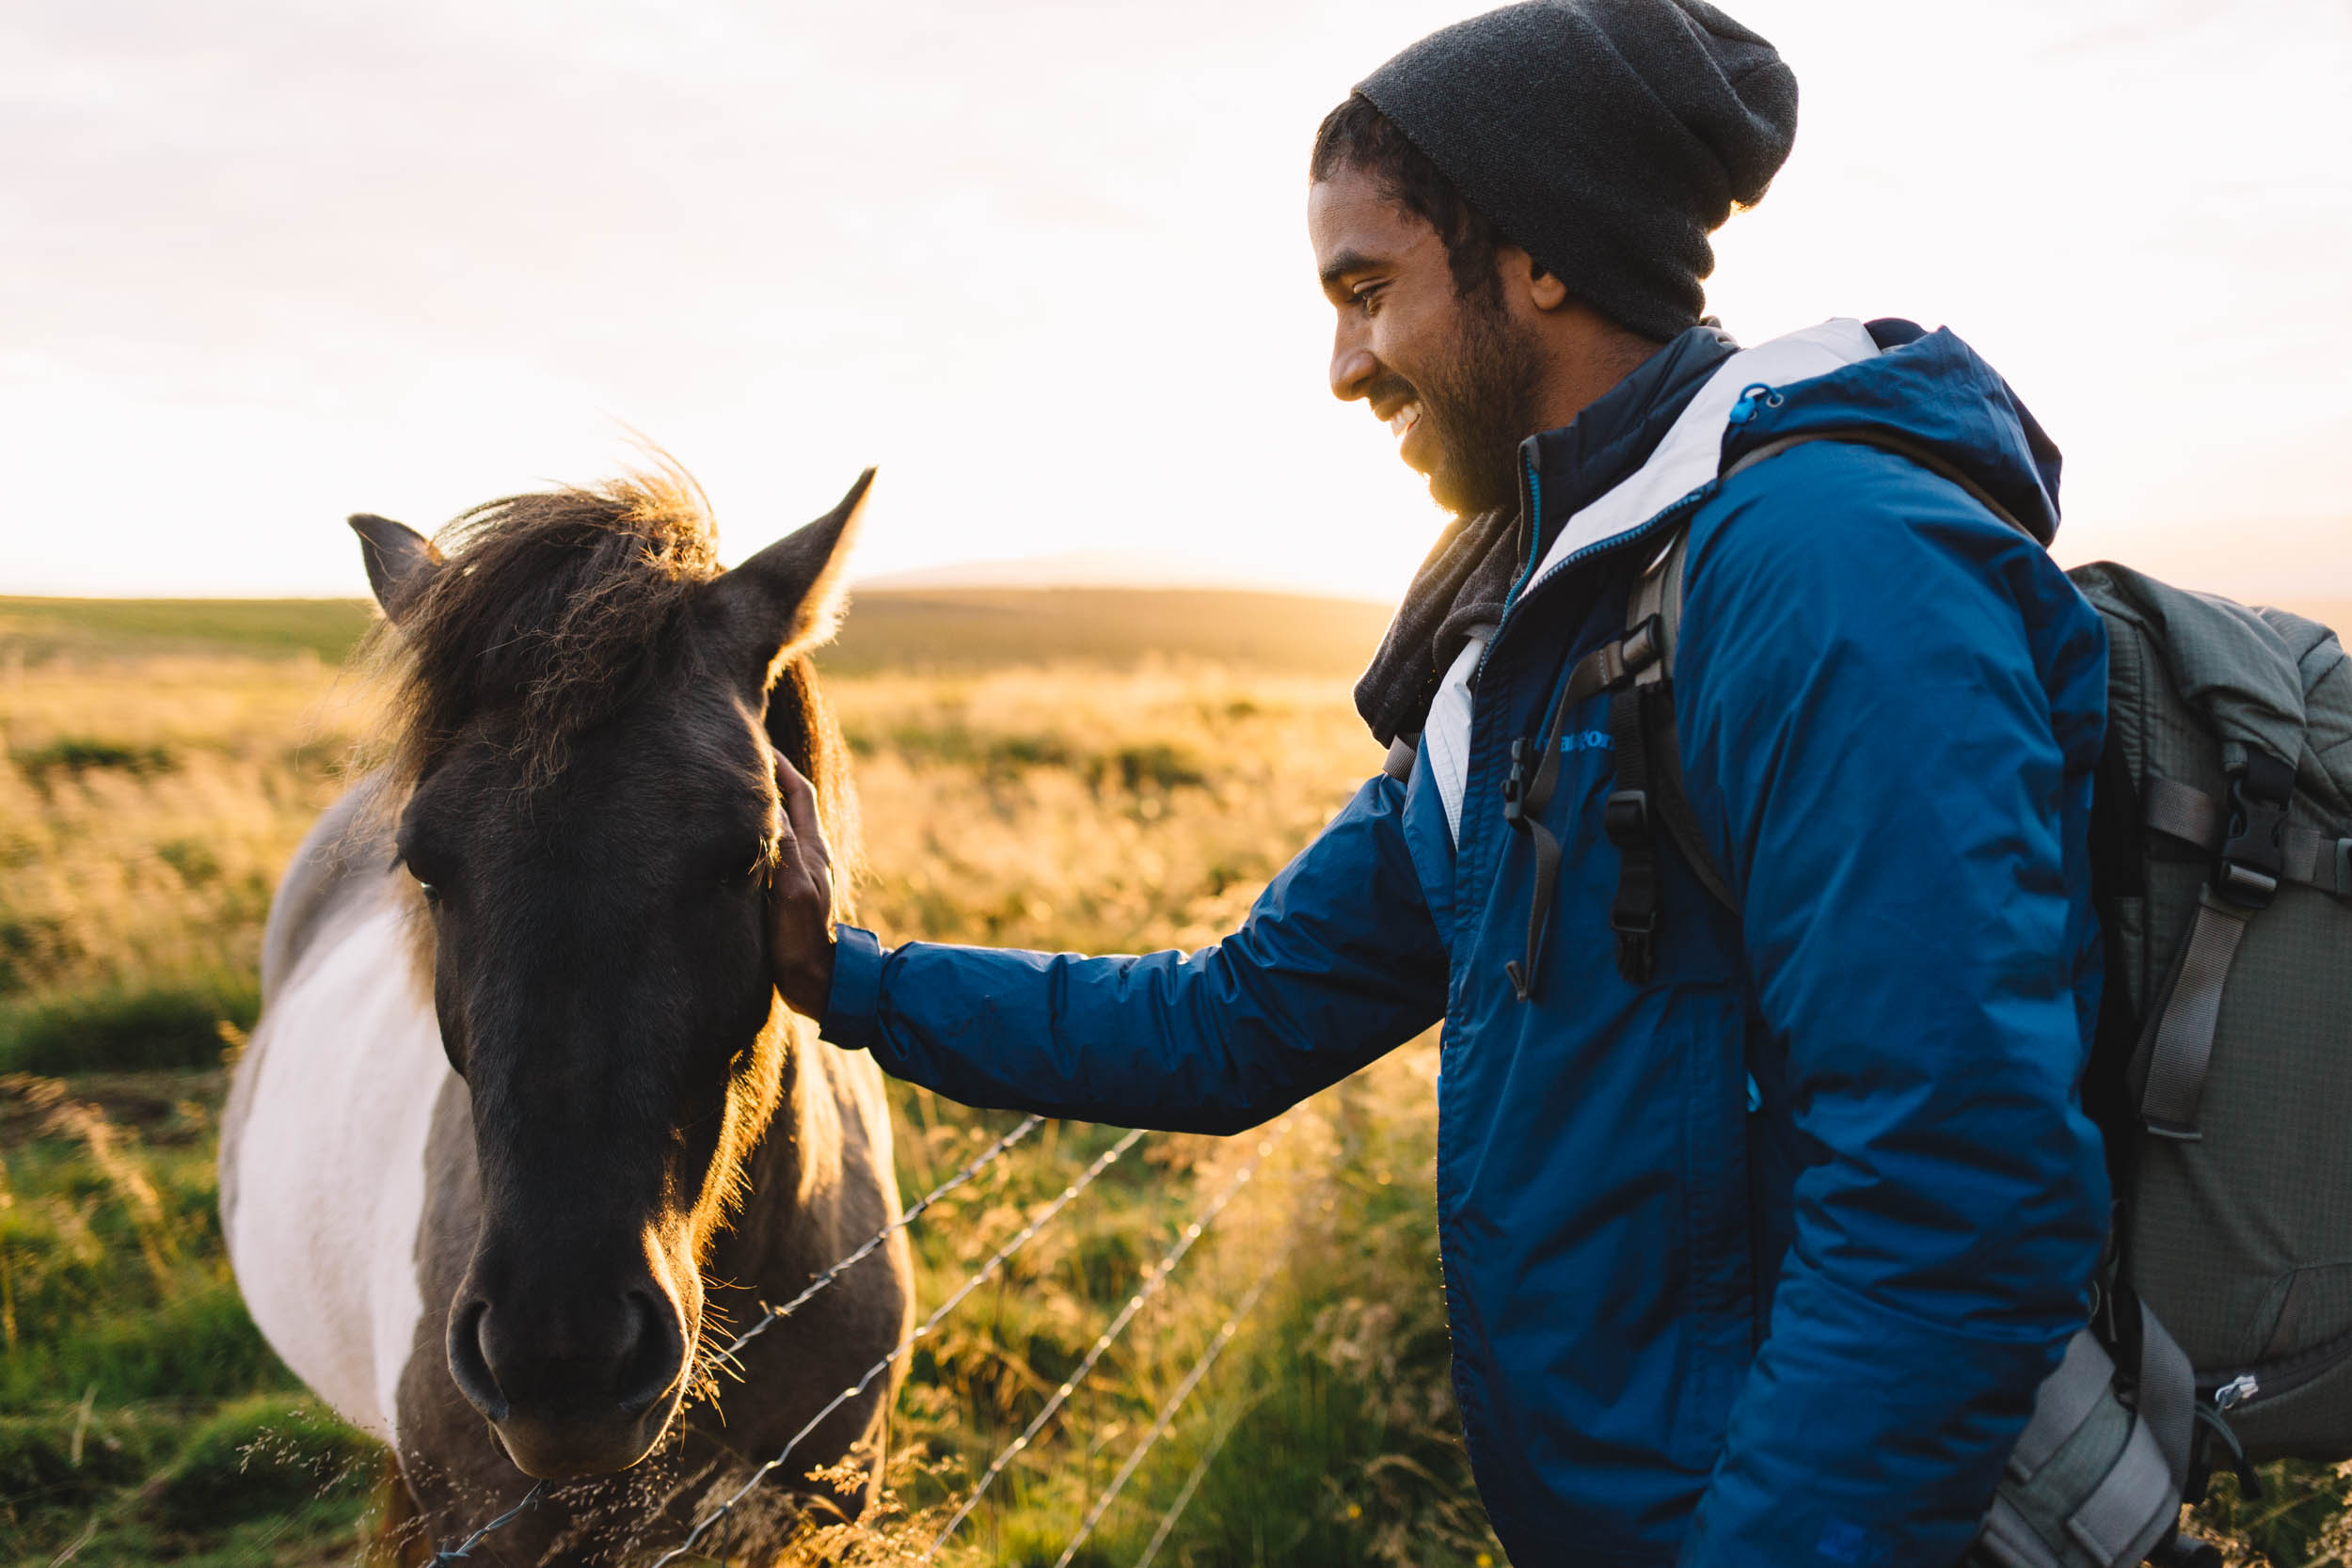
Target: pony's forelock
{"type": "Point", "coordinates": [551, 607]}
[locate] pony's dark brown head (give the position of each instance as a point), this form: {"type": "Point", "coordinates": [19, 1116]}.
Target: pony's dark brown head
{"type": "Point", "coordinates": [581, 710]}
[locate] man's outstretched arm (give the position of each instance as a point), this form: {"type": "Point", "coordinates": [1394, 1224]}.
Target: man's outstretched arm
{"type": "Point", "coordinates": [1337, 963]}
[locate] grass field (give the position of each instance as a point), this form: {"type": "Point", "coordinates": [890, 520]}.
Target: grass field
{"type": "Point", "coordinates": [158, 762]}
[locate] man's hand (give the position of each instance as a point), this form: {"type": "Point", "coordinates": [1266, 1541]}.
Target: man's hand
{"type": "Point", "coordinates": [800, 900]}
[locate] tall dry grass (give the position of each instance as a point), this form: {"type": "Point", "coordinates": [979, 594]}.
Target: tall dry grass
{"type": "Point", "coordinates": [146, 806]}
{"type": "Point", "coordinates": [145, 812]}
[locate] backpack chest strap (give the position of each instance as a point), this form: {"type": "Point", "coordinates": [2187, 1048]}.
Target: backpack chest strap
{"type": "Point", "coordinates": [2189, 814]}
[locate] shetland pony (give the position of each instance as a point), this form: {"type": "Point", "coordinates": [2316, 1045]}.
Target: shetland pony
{"type": "Point", "coordinates": [524, 1124]}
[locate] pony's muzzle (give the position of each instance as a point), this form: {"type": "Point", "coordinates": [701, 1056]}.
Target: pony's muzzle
{"type": "Point", "coordinates": [580, 1390]}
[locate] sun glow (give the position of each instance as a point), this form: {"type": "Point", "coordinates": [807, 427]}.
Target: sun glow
{"type": "Point", "coordinates": [1045, 265]}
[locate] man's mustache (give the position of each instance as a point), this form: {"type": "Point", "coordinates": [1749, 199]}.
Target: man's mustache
{"type": "Point", "coordinates": [1389, 390]}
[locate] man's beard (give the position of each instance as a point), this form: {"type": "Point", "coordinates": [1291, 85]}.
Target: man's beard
{"type": "Point", "coordinates": [1484, 403]}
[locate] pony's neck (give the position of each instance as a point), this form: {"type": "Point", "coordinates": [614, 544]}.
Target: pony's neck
{"type": "Point", "coordinates": [792, 1174]}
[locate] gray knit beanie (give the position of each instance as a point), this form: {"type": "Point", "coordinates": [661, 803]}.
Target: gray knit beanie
{"type": "Point", "coordinates": [1608, 137]}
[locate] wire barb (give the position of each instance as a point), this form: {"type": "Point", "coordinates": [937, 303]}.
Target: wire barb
{"type": "Point", "coordinates": [1153, 1278]}
{"type": "Point", "coordinates": [987, 1271]}
{"type": "Point", "coordinates": [1168, 1411]}
{"type": "Point", "coordinates": [465, 1549]}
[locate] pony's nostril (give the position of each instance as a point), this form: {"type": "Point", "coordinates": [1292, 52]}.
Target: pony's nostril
{"type": "Point", "coordinates": [469, 1366]}
{"type": "Point", "coordinates": [649, 1365]}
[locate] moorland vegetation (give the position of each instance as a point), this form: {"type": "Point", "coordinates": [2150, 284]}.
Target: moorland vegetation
{"type": "Point", "coordinates": [159, 762]}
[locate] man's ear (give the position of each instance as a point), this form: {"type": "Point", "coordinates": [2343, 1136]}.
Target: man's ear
{"type": "Point", "coordinates": [402, 562]}
{"type": "Point", "coordinates": [788, 597]}
{"type": "Point", "coordinates": [1522, 272]}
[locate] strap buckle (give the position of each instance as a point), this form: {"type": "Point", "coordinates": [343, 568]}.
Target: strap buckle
{"type": "Point", "coordinates": [2253, 847]}
{"type": "Point", "coordinates": [1643, 647]}
{"type": "Point", "coordinates": [1626, 818]}
{"type": "Point", "coordinates": [1515, 783]}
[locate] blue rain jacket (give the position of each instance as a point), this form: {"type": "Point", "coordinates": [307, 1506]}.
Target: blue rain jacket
{"type": "Point", "coordinates": [1758, 1263]}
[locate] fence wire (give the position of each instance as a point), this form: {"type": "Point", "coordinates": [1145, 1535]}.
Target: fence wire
{"type": "Point", "coordinates": [1168, 1411]}
{"type": "Point", "coordinates": [1153, 1278]}
{"type": "Point", "coordinates": [913, 1211]}
{"type": "Point", "coordinates": [1183, 1497]}
{"type": "Point", "coordinates": [777, 1314]}
{"type": "Point", "coordinates": [465, 1549]}
{"type": "Point", "coordinates": [981, 1276]}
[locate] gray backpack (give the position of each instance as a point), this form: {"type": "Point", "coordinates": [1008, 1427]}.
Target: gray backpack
{"type": "Point", "coordinates": [2221, 1075]}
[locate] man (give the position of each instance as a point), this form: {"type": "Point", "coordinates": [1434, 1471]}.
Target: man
{"type": "Point", "coordinates": [1761, 1223]}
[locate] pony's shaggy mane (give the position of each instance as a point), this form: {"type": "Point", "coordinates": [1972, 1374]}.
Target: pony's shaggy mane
{"type": "Point", "coordinates": [552, 609]}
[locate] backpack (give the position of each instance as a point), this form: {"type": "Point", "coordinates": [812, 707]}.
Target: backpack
{"type": "Point", "coordinates": [2220, 1074]}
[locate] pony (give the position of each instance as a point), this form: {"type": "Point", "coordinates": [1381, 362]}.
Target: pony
{"type": "Point", "coordinates": [524, 1125]}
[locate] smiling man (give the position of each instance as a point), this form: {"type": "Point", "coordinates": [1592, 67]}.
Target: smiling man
{"type": "Point", "coordinates": [1766, 1197]}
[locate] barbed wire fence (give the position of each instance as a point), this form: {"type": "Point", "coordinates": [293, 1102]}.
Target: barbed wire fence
{"type": "Point", "coordinates": [1184, 1494]}
{"type": "Point", "coordinates": [464, 1548]}
{"type": "Point", "coordinates": [1152, 1281]}
{"type": "Point", "coordinates": [987, 1271]}
{"type": "Point", "coordinates": [1160, 1423]}
{"type": "Point", "coordinates": [774, 1315]}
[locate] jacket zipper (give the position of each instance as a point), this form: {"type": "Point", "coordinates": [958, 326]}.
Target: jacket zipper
{"type": "Point", "coordinates": [1520, 589]}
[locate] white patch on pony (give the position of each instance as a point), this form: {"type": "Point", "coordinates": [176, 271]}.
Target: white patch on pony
{"type": "Point", "coordinates": [331, 1162]}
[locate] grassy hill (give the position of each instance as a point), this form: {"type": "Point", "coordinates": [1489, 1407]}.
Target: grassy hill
{"type": "Point", "coordinates": [1118, 627]}
{"type": "Point", "coordinates": [1088, 769]}
{"type": "Point", "coordinates": [926, 629]}
{"type": "Point", "coordinates": [906, 630]}
{"type": "Point", "coordinates": [37, 630]}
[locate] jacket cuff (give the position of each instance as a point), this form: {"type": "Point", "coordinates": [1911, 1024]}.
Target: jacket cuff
{"type": "Point", "coordinates": [855, 998]}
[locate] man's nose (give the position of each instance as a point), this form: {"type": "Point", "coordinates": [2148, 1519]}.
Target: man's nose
{"type": "Point", "coordinates": [1352, 364]}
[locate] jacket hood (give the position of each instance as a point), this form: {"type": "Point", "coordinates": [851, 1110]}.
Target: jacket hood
{"type": "Point", "coordinates": [1935, 390]}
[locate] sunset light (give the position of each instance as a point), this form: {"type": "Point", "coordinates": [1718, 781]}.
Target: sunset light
{"type": "Point", "coordinates": [1044, 264]}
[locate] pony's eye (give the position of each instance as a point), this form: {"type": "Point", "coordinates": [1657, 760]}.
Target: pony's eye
{"type": "Point", "coordinates": [432, 894]}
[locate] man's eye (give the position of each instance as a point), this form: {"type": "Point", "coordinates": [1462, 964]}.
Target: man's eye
{"type": "Point", "coordinates": [1366, 297]}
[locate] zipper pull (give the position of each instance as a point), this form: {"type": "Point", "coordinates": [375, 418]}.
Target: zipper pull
{"type": "Point", "coordinates": [1752, 396]}
{"type": "Point", "coordinates": [2236, 1391]}
{"type": "Point", "coordinates": [1515, 783]}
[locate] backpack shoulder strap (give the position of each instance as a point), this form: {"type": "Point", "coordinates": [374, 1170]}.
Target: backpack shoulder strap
{"type": "Point", "coordinates": [1658, 594]}
{"type": "Point", "coordinates": [1649, 705]}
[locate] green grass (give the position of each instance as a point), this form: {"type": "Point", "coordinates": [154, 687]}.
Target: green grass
{"type": "Point", "coordinates": [149, 1421]}
{"type": "Point", "coordinates": [127, 1027]}
{"type": "Point", "coordinates": [79, 754]}
{"type": "Point", "coordinates": [142, 1418]}
{"type": "Point", "coordinates": [44, 628]}
{"type": "Point", "coordinates": [145, 1418]}
{"type": "Point", "coordinates": [255, 1480]}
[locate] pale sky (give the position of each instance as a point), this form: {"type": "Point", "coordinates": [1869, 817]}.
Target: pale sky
{"type": "Point", "coordinates": [269, 262]}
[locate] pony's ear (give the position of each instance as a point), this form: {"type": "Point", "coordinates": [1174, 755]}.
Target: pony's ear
{"type": "Point", "coordinates": [788, 597]}
{"type": "Point", "coordinates": [402, 562]}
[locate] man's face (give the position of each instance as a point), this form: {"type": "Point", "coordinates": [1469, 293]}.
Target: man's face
{"type": "Point", "coordinates": [1455, 379]}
